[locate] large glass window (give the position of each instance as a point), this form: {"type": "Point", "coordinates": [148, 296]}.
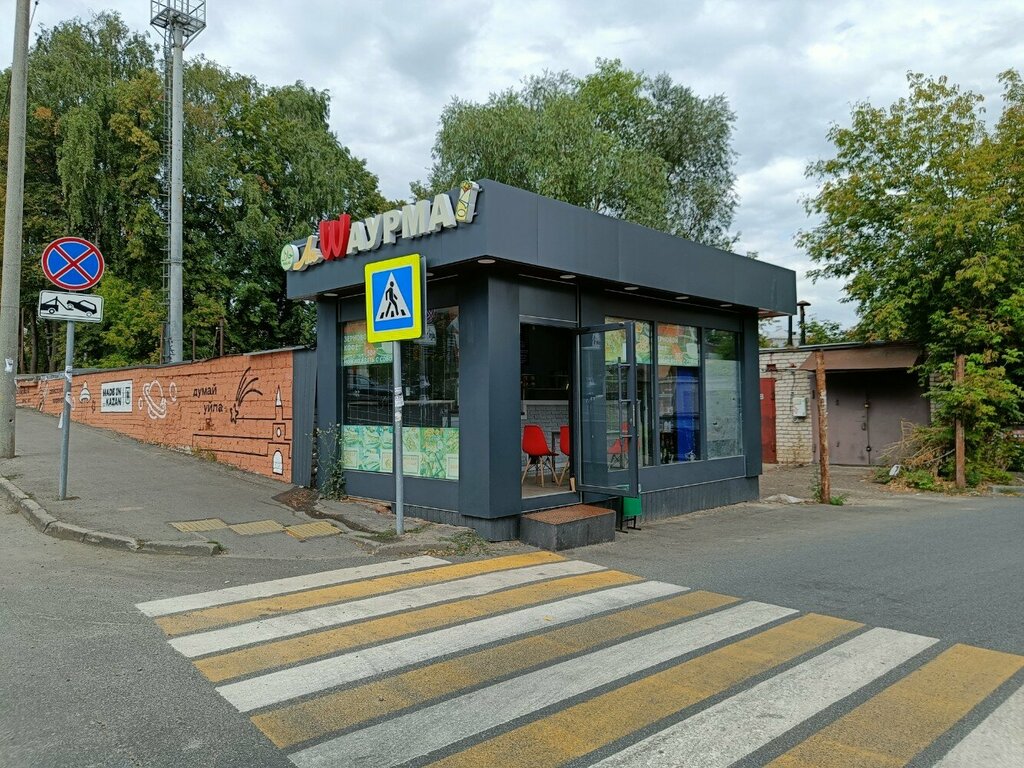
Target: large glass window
{"type": "Point", "coordinates": [430, 374]}
{"type": "Point", "coordinates": [616, 345]}
{"type": "Point", "coordinates": [678, 393]}
{"type": "Point", "coordinates": [722, 391]}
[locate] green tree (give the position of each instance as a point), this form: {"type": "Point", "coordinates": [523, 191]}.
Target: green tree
{"type": "Point", "coordinates": [920, 214]}
{"type": "Point", "coordinates": [261, 167]}
{"type": "Point", "coordinates": [91, 161]}
{"type": "Point", "coordinates": [824, 331]}
{"type": "Point", "coordinates": [616, 141]}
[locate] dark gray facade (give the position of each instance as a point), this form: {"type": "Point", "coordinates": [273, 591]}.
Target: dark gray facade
{"type": "Point", "coordinates": [559, 267]}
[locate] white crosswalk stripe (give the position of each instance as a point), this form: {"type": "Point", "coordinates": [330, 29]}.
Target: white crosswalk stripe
{"type": "Point", "coordinates": [215, 640]}
{"type": "Point", "coordinates": [170, 605]}
{"type": "Point", "coordinates": [347, 668]}
{"type": "Point", "coordinates": [425, 730]}
{"type": "Point", "coordinates": [738, 726]}
{"type": "Point", "coordinates": [611, 672]}
{"type": "Point", "coordinates": [997, 743]}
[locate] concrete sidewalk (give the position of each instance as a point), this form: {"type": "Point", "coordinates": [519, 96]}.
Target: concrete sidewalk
{"type": "Point", "coordinates": [125, 494]}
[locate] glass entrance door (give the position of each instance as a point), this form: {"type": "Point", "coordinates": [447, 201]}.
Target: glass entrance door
{"type": "Point", "coordinates": [607, 432]}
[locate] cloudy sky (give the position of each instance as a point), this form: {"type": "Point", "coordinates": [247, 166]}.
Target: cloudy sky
{"type": "Point", "coordinates": [788, 69]}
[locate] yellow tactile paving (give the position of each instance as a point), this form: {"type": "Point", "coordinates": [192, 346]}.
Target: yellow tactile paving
{"type": "Point", "coordinates": [312, 530]}
{"type": "Point", "coordinates": [336, 711]}
{"type": "Point", "coordinates": [206, 524]}
{"type": "Point", "coordinates": [305, 647]}
{"type": "Point", "coordinates": [580, 729]}
{"type": "Point", "coordinates": [207, 618]}
{"type": "Point", "coordinates": [889, 729]}
{"type": "Point", "coordinates": [260, 526]}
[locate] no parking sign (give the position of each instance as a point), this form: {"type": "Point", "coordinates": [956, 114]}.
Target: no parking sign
{"type": "Point", "coordinates": [72, 263]}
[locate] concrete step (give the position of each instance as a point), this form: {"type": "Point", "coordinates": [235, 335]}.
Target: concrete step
{"type": "Point", "coordinates": [567, 527]}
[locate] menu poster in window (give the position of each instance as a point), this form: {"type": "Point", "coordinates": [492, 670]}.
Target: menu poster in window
{"type": "Point", "coordinates": [615, 343]}
{"type": "Point", "coordinates": [677, 345]}
{"type": "Point", "coordinates": [356, 350]}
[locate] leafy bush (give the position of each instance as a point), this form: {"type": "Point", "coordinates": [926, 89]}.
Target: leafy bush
{"type": "Point", "coordinates": [921, 479]}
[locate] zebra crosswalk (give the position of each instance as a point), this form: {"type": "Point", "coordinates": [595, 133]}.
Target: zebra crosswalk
{"type": "Point", "coordinates": [534, 660]}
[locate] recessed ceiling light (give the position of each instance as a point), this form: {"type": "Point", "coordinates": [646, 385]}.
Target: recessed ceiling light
{"type": "Point", "coordinates": [726, 305]}
{"type": "Point", "coordinates": [566, 277]}
{"type": "Point", "coordinates": [485, 261]}
{"type": "Point", "coordinates": [332, 295]}
{"type": "Point", "coordinates": [632, 288]}
{"type": "Point", "coordinates": [682, 298]}
{"type": "Point", "coordinates": [430, 274]}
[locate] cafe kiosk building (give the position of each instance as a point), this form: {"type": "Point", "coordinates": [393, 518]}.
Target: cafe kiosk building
{"type": "Point", "coordinates": [643, 344]}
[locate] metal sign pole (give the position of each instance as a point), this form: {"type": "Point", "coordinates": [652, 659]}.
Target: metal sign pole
{"type": "Point", "coordinates": [396, 368]}
{"type": "Point", "coordinates": [69, 354]}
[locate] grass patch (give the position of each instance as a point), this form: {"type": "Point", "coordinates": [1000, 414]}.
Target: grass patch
{"type": "Point", "coordinates": [463, 543]}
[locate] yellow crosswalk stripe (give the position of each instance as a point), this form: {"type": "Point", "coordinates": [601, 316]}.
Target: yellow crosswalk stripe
{"type": "Point", "coordinates": [333, 712]}
{"type": "Point", "coordinates": [587, 726]}
{"type": "Point", "coordinates": [889, 729]}
{"type": "Point", "coordinates": [208, 618]}
{"type": "Point", "coordinates": [304, 647]}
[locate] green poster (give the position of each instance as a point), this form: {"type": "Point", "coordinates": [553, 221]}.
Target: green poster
{"type": "Point", "coordinates": [426, 451]}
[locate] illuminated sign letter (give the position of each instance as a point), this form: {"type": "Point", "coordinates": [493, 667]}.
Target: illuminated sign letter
{"type": "Point", "coordinates": [441, 214]}
{"type": "Point", "coordinates": [416, 219]}
{"type": "Point", "coordinates": [373, 228]}
{"type": "Point", "coordinates": [358, 237]}
{"type": "Point", "coordinates": [334, 237]}
{"type": "Point", "coordinates": [465, 206]}
{"type": "Point", "coordinates": [310, 255]}
{"type": "Point", "coordinates": [392, 223]}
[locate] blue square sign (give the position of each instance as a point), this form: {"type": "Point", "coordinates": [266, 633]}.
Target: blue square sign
{"type": "Point", "coordinates": [394, 299]}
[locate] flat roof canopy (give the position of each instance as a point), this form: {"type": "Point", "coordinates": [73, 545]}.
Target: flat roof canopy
{"type": "Point", "coordinates": [880, 358]}
{"type": "Point", "coordinates": [540, 235]}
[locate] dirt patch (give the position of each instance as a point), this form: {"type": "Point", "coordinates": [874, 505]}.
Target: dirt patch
{"type": "Point", "coordinates": [299, 499]}
{"type": "Point", "coordinates": [852, 484]}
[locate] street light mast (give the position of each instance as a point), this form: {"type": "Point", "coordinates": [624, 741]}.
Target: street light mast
{"type": "Point", "coordinates": [181, 21]}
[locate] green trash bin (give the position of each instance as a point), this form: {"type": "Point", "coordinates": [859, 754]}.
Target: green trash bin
{"type": "Point", "coordinates": [632, 510]}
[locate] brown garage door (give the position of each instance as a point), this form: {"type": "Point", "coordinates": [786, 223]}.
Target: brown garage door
{"type": "Point", "coordinates": [865, 410]}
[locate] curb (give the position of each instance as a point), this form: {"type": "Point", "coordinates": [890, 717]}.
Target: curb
{"type": "Point", "coordinates": [1007, 491]}
{"type": "Point", "coordinates": [58, 529]}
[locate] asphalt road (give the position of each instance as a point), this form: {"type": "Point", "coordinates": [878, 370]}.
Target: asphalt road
{"type": "Point", "coordinates": [88, 680]}
{"type": "Point", "coordinates": [938, 566]}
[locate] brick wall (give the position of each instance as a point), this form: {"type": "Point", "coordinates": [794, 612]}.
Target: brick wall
{"type": "Point", "coordinates": [237, 409]}
{"type": "Point", "coordinates": [794, 435]}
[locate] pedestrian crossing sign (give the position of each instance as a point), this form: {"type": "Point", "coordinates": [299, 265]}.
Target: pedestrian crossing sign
{"type": "Point", "coordinates": [394, 299]}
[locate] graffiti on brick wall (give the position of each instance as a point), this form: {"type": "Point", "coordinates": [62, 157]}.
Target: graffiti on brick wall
{"type": "Point", "coordinates": [258, 436]}
{"type": "Point", "coordinates": [246, 387]}
{"type": "Point", "coordinates": [154, 401]}
{"type": "Point", "coordinates": [236, 409]}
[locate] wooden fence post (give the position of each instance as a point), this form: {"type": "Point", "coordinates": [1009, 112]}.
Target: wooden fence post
{"type": "Point", "coordinates": [819, 385]}
{"type": "Point", "coordinates": [960, 446]}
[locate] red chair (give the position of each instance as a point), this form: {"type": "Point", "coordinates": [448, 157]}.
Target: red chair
{"type": "Point", "coordinates": [535, 445]}
{"type": "Point", "coordinates": [620, 448]}
{"type": "Point", "coordinates": [564, 445]}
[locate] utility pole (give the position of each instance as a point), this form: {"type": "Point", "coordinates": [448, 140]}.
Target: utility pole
{"type": "Point", "coordinates": [174, 321]}
{"type": "Point", "coordinates": [181, 20]}
{"type": "Point", "coordinates": [10, 292]}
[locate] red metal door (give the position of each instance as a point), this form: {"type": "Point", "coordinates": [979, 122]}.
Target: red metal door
{"type": "Point", "coordinates": [768, 451]}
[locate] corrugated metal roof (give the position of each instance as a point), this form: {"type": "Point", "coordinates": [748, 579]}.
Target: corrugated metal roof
{"type": "Point", "coordinates": [880, 358]}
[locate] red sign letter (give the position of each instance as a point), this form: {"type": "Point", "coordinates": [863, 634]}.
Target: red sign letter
{"type": "Point", "coordinates": [334, 237]}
